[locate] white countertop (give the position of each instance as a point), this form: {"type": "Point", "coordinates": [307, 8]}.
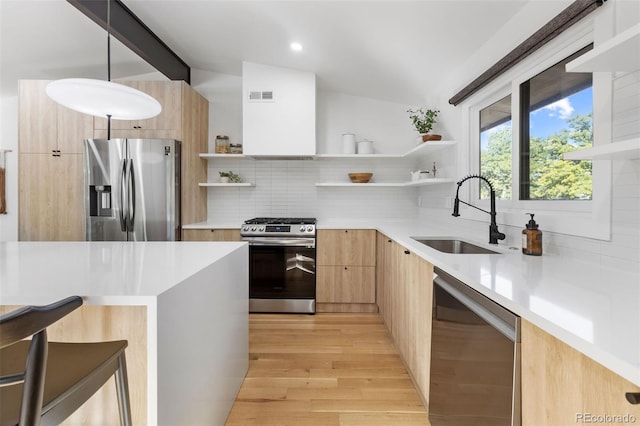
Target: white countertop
{"type": "Point", "coordinates": [594, 309]}
{"type": "Point", "coordinates": [125, 273]}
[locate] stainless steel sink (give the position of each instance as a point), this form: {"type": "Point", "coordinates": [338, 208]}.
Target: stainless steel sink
{"type": "Point", "coordinates": [454, 246]}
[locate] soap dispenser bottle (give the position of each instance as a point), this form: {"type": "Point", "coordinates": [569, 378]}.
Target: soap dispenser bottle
{"type": "Point", "coordinates": [532, 238]}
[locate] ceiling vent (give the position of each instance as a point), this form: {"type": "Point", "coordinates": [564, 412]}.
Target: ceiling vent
{"type": "Point", "coordinates": [261, 96]}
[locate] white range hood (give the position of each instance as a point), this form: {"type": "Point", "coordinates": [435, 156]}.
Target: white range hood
{"type": "Point", "coordinates": [278, 112]}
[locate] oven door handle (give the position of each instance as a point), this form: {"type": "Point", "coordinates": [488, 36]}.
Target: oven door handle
{"type": "Point", "coordinates": [289, 242]}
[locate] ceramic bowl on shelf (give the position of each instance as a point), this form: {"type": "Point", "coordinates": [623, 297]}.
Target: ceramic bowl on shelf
{"type": "Point", "coordinates": [360, 177]}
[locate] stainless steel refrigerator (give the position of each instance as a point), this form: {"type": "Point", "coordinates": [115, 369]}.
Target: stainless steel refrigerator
{"type": "Point", "coordinates": [132, 189]}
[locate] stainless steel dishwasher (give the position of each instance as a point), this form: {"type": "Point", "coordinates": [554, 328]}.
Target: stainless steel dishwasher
{"type": "Point", "coordinates": [475, 358]}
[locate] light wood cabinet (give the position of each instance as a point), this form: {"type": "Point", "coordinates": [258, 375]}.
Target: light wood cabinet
{"type": "Point", "coordinates": [345, 268]}
{"type": "Point", "coordinates": [211, 235]}
{"type": "Point", "coordinates": [45, 127]}
{"type": "Point", "coordinates": [561, 386]}
{"type": "Point", "coordinates": [168, 93]}
{"type": "Point", "coordinates": [50, 192]}
{"type": "Point", "coordinates": [405, 294]}
{"type": "Point", "coordinates": [51, 197]}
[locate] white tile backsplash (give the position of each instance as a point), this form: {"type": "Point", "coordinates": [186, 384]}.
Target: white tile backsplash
{"type": "Point", "coordinates": [288, 188]}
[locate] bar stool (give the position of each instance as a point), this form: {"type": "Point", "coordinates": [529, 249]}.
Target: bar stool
{"type": "Point", "coordinates": [45, 382]}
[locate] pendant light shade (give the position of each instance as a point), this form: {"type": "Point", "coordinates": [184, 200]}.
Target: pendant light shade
{"type": "Point", "coordinates": [103, 98]}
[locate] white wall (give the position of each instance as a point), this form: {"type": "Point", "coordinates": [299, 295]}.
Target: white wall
{"type": "Point", "coordinates": [9, 140]}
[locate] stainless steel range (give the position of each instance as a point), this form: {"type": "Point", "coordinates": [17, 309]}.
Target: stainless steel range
{"type": "Point", "coordinates": [282, 264]}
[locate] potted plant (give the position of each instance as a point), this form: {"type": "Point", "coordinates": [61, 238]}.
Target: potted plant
{"type": "Point", "coordinates": [423, 120]}
{"type": "Point", "coordinates": [226, 177]}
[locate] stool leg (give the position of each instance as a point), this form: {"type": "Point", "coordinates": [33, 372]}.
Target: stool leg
{"type": "Point", "coordinates": [122, 389]}
{"type": "Point", "coordinates": [31, 407]}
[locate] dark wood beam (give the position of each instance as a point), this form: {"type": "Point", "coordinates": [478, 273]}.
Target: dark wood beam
{"type": "Point", "coordinates": [125, 26]}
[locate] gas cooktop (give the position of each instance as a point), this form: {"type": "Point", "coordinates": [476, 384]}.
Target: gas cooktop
{"type": "Point", "coordinates": [279, 226]}
{"type": "Point", "coordinates": [281, 220]}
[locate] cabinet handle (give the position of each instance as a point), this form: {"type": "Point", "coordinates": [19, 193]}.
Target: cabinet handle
{"type": "Point", "coordinates": [212, 230]}
{"type": "Point", "coordinates": [346, 230]}
{"type": "Point", "coordinates": [389, 240]}
{"type": "Point", "coordinates": [407, 252]}
{"type": "Point", "coordinates": [633, 397]}
{"type": "Point", "coordinates": [345, 268]}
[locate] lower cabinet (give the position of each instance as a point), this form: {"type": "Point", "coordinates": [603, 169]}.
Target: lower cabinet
{"type": "Point", "coordinates": [211, 234]}
{"type": "Point", "coordinates": [561, 386]}
{"type": "Point", "coordinates": [345, 270]}
{"type": "Point", "coordinates": [346, 284]}
{"type": "Point", "coordinates": [404, 297]}
{"type": "Point", "coordinates": [51, 197]}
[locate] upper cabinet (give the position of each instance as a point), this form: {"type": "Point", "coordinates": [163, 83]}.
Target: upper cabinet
{"type": "Point", "coordinates": [167, 124]}
{"type": "Point", "coordinates": [278, 111]}
{"type": "Point", "coordinates": [44, 126]}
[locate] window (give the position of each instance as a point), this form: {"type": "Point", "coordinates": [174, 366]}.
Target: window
{"type": "Point", "coordinates": [554, 114]}
{"type": "Point", "coordinates": [556, 109]}
{"type": "Point", "coordinates": [495, 148]}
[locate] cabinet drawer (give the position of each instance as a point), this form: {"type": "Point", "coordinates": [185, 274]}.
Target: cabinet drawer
{"type": "Point", "coordinates": [211, 235]}
{"type": "Point", "coordinates": [345, 284]}
{"type": "Point", "coordinates": [346, 247]}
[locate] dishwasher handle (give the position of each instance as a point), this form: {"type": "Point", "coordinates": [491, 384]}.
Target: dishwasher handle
{"type": "Point", "coordinates": [498, 317]}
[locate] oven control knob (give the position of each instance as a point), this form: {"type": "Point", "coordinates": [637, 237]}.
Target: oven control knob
{"type": "Point", "coordinates": [309, 228]}
{"type": "Point", "coordinates": [253, 228]}
{"type": "Point", "coordinates": [261, 228]}
{"type": "Point", "coordinates": [302, 228]}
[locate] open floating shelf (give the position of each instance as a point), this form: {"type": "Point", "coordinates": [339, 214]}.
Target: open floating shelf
{"type": "Point", "coordinates": [620, 53]}
{"type": "Point", "coordinates": [423, 148]}
{"type": "Point", "coordinates": [623, 150]}
{"type": "Point", "coordinates": [245, 184]}
{"type": "Point", "coordinates": [209, 155]}
{"type": "Point", "coordinates": [422, 182]}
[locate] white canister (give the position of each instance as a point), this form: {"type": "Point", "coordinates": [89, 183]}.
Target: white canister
{"type": "Point", "coordinates": [348, 143]}
{"type": "Point", "coordinates": [365, 147]}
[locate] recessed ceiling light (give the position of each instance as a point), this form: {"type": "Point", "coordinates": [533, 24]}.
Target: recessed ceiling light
{"type": "Point", "coordinates": [296, 47]}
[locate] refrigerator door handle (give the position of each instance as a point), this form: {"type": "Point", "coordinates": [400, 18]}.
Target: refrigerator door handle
{"type": "Point", "coordinates": [132, 195]}
{"type": "Point", "coordinates": [123, 196]}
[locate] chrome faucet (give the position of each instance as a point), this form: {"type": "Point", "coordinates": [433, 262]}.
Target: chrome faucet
{"type": "Point", "coordinates": [494, 234]}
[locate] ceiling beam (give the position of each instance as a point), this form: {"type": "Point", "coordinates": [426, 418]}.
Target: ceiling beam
{"type": "Point", "coordinates": [125, 26]}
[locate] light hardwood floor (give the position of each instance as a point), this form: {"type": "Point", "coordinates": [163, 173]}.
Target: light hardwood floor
{"type": "Point", "coordinates": [324, 369]}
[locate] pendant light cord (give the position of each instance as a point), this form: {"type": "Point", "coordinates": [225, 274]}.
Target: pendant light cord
{"type": "Point", "coordinates": [108, 61]}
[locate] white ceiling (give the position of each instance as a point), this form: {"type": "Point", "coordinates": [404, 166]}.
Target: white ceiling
{"type": "Point", "coordinates": [398, 50]}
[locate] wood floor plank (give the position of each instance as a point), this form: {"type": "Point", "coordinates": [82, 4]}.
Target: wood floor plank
{"type": "Point", "coordinates": [380, 419]}
{"type": "Point", "coordinates": [324, 369]}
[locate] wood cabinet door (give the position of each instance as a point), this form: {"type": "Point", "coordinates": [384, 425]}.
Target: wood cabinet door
{"type": "Point", "coordinates": [347, 247]}
{"type": "Point", "coordinates": [211, 235]}
{"type": "Point", "coordinates": [408, 290]}
{"type": "Point", "coordinates": [382, 300]}
{"type": "Point", "coordinates": [168, 93]}
{"type": "Point", "coordinates": [345, 284]}
{"type": "Point", "coordinates": [51, 198]}
{"type": "Point", "coordinates": [37, 118]}
{"type": "Point", "coordinates": [73, 128]}
{"type": "Point", "coordinates": [561, 386]}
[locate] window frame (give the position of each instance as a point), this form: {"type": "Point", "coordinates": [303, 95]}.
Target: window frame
{"type": "Point", "coordinates": [585, 218]}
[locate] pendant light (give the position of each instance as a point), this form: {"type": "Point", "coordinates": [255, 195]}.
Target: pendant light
{"type": "Point", "coordinates": [104, 98]}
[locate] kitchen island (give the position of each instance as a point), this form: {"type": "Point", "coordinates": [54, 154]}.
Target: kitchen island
{"type": "Point", "coordinates": [183, 307]}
